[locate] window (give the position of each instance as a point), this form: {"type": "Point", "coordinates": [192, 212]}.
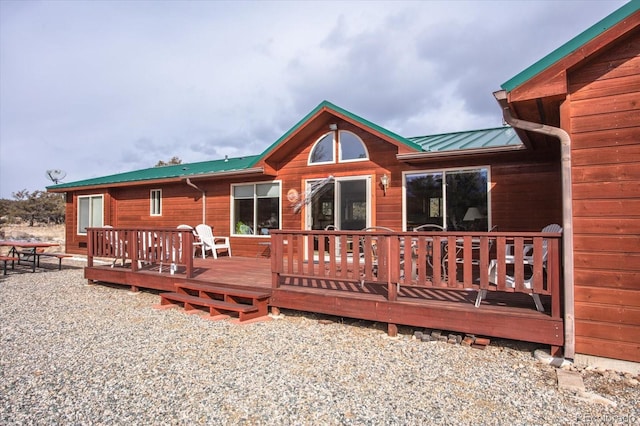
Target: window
{"type": "Point", "coordinates": [350, 148]}
{"type": "Point", "coordinates": [256, 208]}
{"type": "Point", "coordinates": [457, 200]}
{"type": "Point", "coordinates": [156, 202]}
{"type": "Point", "coordinates": [90, 212]}
{"type": "Point", "coordinates": [322, 152]}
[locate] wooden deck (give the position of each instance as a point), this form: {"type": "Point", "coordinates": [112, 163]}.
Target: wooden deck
{"type": "Point", "coordinates": [504, 315]}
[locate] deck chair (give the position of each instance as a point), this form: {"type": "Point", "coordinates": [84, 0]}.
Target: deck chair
{"type": "Point", "coordinates": [527, 258]}
{"type": "Point", "coordinates": [117, 246]}
{"type": "Point", "coordinates": [196, 241]}
{"type": "Point", "coordinates": [373, 249]}
{"type": "Point", "coordinates": [426, 228]}
{"type": "Point", "coordinates": [172, 248]}
{"type": "Point", "coordinates": [209, 242]}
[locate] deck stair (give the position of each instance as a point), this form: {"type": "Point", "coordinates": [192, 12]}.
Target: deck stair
{"type": "Point", "coordinates": [248, 304]}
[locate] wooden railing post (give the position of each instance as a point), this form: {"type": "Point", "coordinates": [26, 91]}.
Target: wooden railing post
{"type": "Point", "coordinates": [553, 275]}
{"type": "Point", "coordinates": [276, 258]}
{"type": "Point", "coordinates": [187, 251]}
{"type": "Point", "coordinates": [91, 238]}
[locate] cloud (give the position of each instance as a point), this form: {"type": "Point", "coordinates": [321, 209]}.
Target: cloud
{"type": "Point", "coordinates": [96, 88]}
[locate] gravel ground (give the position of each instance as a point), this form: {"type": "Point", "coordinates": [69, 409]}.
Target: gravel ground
{"type": "Point", "coordinates": [80, 354]}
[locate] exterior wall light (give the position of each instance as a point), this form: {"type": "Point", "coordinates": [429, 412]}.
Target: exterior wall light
{"type": "Point", "coordinates": [384, 181]}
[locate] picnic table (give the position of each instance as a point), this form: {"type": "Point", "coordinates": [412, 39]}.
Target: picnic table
{"type": "Point", "coordinates": [28, 252]}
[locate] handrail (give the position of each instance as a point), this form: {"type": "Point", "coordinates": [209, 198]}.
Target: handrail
{"type": "Point", "coordinates": [155, 246]}
{"type": "Point", "coordinates": [421, 259]}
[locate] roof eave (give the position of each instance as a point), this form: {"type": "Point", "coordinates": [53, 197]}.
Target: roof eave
{"type": "Point", "coordinates": [177, 179]}
{"type": "Point", "coordinates": [420, 156]}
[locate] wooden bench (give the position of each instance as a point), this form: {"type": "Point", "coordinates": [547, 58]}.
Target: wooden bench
{"type": "Point", "coordinates": [26, 254]}
{"type": "Point", "coordinates": [5, 259]}
{"type": "Point", "coordinates": [59, 256]}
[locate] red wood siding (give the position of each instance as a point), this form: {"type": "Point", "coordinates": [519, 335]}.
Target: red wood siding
{"type": "Point", "coordinates": [604, 108]}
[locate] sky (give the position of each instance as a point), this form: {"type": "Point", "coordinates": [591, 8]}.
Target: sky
{"type": "Point", "coordinates": [95, 88]}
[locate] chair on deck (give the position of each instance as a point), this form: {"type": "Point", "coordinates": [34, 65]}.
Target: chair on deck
{"type": "Point", "coordinates": [209, 242]}
{"type": "Point", "coordinates": [426, 228]}
{"type": "Point", "coordinates": [373, 248]}
{"type": "Point", "coordinates": [172, 248]}
{"type": "Point", "coordinates": [527, 259]}
{"type": "Point", "coordinates": [117, 246]}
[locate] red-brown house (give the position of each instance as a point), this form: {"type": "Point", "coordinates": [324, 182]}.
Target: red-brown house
{"type": "Point", "coordinates": [570, 156]}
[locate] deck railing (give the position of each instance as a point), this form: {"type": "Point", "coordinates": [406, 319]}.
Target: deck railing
{"type": "Point", "coordinates": [167, 248]}
{"type": "Point", "coordinates": [524, 262]}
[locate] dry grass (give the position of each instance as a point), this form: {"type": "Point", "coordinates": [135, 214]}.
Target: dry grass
{"type": "Point", "coordinates": [48, 233]}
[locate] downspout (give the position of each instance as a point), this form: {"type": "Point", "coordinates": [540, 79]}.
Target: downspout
{"type": "Point", "coordinates": [567, 213]}
{"type": "Point", "coordinates": [204, 199]}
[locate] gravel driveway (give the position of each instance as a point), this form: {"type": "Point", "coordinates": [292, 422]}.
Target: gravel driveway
{"type": "Point", "coordinates": [80, 354]}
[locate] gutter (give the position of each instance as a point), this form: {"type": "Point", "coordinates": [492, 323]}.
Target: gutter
{"type": "Point", "coordinates": [412, 156]}
{"type": "Point", "coordinates": [204, 199]}
{"type": "Point", "coordinates": [567, 213]}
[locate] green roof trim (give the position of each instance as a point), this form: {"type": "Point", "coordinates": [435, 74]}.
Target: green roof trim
{"type": "Point", "coordinates": [473, 139]}
{"type": "Point", "coordinates": [329, 105]}
{"type": "Point", "coordinates": [572, 45]}
{"type": "Point", "coordinates": [445, 142]}
{"type": "Point", "coordinates": [166, 172]}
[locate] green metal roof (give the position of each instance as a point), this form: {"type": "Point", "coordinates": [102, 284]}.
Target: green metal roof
{"type": "Point", "coordinates": [166, 172]}
{"type": "Point", "coordinates": [474, 139]}
{"type": "Point", "coordinates": [572, 45]}
{"type": "Point", "coordinates": [329, 105]}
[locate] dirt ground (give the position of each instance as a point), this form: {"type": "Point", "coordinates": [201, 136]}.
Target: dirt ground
{"type": "Point", "coordinates": [48, 233]}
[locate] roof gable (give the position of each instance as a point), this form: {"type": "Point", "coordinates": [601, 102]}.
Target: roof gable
{"type": "Point", "coordinates": [323, 113]}
{"type": "Point", "coordinates": [551, 69]}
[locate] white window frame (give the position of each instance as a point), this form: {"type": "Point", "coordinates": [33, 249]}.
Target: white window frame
{"type": "Point", "coordinates": [444, 192]}
{"type": "Point", "coordinates": [333, 150]}
{"type": "Point", "coordinates": [337, 146]}
{"type": "Point", "coordinates": [254, 225]}
{"type": "Point", "coordinates": [91, 213]}
{"type": "Point", "coordinates": [155, 200]}
{"type": "Point", "coordinates": [352, 160]}
{"type": "Point", "coordinates": [337, 195]}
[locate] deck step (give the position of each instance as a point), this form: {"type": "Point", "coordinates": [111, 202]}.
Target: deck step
{"type": "Point", "coordinates": [225, 291]}
{"type": "Point", "coordinates": [216, 307]}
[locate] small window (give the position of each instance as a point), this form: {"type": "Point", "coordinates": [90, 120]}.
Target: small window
{"type": "Point", "coordinates": [90, 212]}
{"type": "Point", "coordinates": [156, 202]}
{"type": "Point", "coordinates": [351, 147]}
{"type": "Point", "coordinates": [323, 152]}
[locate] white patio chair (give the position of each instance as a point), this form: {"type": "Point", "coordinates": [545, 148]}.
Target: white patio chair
{"type": "Point", "coordinates": [211, 242]}
{"type": "Point", "coordinates": [527, 259]}
{"type": "Point", "coordinates": [117, 245]}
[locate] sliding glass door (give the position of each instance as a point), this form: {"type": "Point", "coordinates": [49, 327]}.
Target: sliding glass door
{"type": "Point", "coordinates": [343, 204]}
{"type": "Point", "coordinates": [457, 200]}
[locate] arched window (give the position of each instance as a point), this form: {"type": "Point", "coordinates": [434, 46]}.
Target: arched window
{"type": "Point", "coordinates": [323, 151]}
{"type": "Point", "coordinates": [351, 147]}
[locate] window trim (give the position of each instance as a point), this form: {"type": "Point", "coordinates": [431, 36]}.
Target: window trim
{"type": "Point", "coordinates": [444, 193]}
{"type": "Point", "coordinates": [152, 204]}
{"type": "Point", "coordinates": [333, 150]}
{"type": "Point", "coordinates": [90, 197]}
{"type": "Point", "coordinates": [353, 160]}
{"type": "Point", "coordinates": [232, 225]}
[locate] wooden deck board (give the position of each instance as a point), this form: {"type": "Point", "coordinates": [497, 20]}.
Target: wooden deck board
{"type": "Point", "coordinates": [506, 315]}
